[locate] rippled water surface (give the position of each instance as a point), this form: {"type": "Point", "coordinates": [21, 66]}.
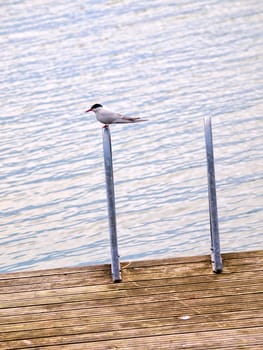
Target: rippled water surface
{"type": "Point", "coordinates": [172, 62]}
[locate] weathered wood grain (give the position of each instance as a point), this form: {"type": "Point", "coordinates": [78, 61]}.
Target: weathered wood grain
{"type": "Point", "coordinates": [168, 304]}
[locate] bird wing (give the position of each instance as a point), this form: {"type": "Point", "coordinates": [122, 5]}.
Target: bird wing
{"type": "Point", "coordinates": [109, 117]}
{"type": "Point", "coordinates": [117, 117]}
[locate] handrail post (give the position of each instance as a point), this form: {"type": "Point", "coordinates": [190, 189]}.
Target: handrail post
{"type": "Point", "coordinates": [214, 230]}
{"type": "Point", "coordinates": [115, 264]}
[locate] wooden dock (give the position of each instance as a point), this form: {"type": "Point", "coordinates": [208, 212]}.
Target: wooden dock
{"type": "Point", "coordinates": [161, 304]}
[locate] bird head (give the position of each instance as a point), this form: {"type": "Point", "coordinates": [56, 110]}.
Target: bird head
{"type": "Point", "coordinates": [94, 107]}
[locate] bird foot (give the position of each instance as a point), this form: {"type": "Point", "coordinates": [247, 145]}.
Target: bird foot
{"type": "Point", "coordinates": [106, 126]}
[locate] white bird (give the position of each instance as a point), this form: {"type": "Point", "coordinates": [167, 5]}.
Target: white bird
{"type": "Point", "coordinates": [107, 117]}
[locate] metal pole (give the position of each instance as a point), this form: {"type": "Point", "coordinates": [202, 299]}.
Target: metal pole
{"type": "Point", "coordinates": [215, 240]}
{"type": "Point", "coordinates": [115, 264]}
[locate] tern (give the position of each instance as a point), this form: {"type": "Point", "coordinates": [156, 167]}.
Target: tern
{"type": "Point", "coordinates": [107, 117]}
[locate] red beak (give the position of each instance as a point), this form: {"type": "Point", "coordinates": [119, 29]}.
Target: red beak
{"type": "Point", "coordinates": [89, 110]}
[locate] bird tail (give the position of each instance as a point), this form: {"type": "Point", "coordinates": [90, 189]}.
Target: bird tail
{"type": "Point", "coordinates": [139, 120]}
{"type": "Point", "coordinates": [133, 120]}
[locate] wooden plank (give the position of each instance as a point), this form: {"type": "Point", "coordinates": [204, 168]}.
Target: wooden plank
{"type": "Point", "coordinates": [199, 273]}
{"type": "Point", "coordinates": [103, 276]}
{"type": "Point", "coordinates": [136, 296]}
{"type": "Point", "coordinates": [55, 271]}
{"type": "Point", "coordinates": [64, 283]}
{"type": "Point", "coordinates": [251, 255]}
{"type": "Point", "coordinates": [216, 339]}
{"type": "Point", "coordinates": [63, 335]}
{"type": "Point", "coordinates": [136, 311]}
{"type": "Point", "coordinates": [165, 345]}
{"type": "Point", "coordinates": [132, 323]}
{"type": "Point", "coordinates": [187, 282]}
{"type": "Point", "coordinates": [175, 303]}
{"type": "Point", "coordinates": [96, 277]}
{"type": "Point", "coordinates": [72, 302]}
{"type": "Point", "coordinates": [166, 292]}
{"type": "Point", "coordinates": [104, 331]}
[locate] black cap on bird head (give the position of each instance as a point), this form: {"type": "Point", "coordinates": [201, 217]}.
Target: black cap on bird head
{"type": "Point", "coordinates": [97, 105]}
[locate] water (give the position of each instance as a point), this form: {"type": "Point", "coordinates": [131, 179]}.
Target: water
{"type": "Point", "coordinates": [172, 62]}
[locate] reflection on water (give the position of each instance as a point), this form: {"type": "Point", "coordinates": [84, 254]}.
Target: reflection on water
{"type": "Point", "coordinates": [173, 64]}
